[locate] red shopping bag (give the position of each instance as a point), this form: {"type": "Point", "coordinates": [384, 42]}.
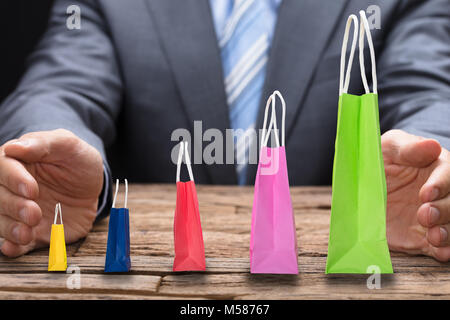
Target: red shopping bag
{"type": "Point", "coordinates": [187, 228]}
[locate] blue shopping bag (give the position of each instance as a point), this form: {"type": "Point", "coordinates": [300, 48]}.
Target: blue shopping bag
{"type": "Point", "coordinates": [118, 248]}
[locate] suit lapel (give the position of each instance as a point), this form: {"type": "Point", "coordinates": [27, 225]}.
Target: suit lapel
{"type": "Point", "coordinates": [188, 37]}
{"type": "Point", "coordinates": [302, 31]}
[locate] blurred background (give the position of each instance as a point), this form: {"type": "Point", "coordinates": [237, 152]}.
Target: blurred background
{"type": "Point", "coordinates": [22, 22]}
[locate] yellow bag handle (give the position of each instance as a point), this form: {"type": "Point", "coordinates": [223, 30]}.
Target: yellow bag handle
{"type": "Point", "coordinates": [58, 209]}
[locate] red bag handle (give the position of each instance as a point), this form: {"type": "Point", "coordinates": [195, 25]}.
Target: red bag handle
{"type": "Point", "coordinates": [184, 148]}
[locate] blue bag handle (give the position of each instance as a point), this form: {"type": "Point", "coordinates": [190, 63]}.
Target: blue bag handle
{"type": "Point", "coordinates": [117, 190]}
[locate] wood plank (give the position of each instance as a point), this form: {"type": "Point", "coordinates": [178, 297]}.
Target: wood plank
{"type": "Point", "coordinates": [90, 283]}
{"type": "Point", "coordinates": [162, 265]}
{"type": "Point", "coordinates": [70, 249]}
{"type": "Point", "coordinates": [76, 295]}
{"type": "Point", "coordinates": [307, 286]}
{"type": "Point", "coordinates": [217, 244]}
{"type": "Point", "coordinates": [226, 218]}
{"type": "Point", "coordinates": [225, 234]}
{"type": "Point", "coordinates": [140, 265]}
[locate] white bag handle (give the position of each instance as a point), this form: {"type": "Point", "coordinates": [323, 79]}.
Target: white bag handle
{"type": "Point", "coordinates": [270, 103]}
{"type": "Point", "coordinates": [184, 148]}
{"type": "Point", "coordinates": [117, 190]}
{"type": "Point", "coordinates": [343, 85]}
{"type": "Point", "coordinates": [58, 209]}
{"type": "Point", "coordinates": [273, 120]}
{"type": "Point", "coordinates": [365, 30]}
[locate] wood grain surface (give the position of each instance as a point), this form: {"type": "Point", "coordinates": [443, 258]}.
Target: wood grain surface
{"type": "Point", "coordinates": [226, 217]}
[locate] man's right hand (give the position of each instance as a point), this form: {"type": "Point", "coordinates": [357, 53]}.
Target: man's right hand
{"type": "Point", "coordinates": [37, 171]}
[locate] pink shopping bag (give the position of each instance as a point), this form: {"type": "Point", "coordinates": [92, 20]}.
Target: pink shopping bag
{"type": "Point", "coordinates": [273, 241]}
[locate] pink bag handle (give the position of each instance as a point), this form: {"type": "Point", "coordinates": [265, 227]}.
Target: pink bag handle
{"type": "Point", "coordinates": [273, 120]}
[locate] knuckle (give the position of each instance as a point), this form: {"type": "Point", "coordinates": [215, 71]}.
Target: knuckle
{"type": "Point", "coordinates": [10, 179]}
{"type": "Point", "coordinates": [24, 234]}
{"type": "Point", "coordinates": [29, 135]}
{"type": "Point", "coordinates": [389, 136]}
{"type": "Point", "coordinates": [69, 137]}
{"type": "Point", "coordinates": [12, 206]}
{"type": "Point", "coordinates": [34, 213]}
{"type": "Point", "coordinates": [9, 229]}
{"type": "Point", "coordinates": [73, 140]}
{"type": "Point", "coordinates": [394, 132]}
{"type": "Point", "coordinates": [9, 142]}
{"type": "Point", "coordinates": [388, 144]}
{"type": "Point", "coordinates": [443, 256]}
{"type": "Point", "coordinates": [64, 132]}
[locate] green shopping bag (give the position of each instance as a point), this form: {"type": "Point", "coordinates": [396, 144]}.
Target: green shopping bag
{"type": "Point", "coordinates": [357, 242]}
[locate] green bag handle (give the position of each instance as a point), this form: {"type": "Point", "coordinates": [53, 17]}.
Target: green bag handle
{"type": "Point", "coordinates": [343, 85]}
{"type": "Point", "coordinates": [365, 30]}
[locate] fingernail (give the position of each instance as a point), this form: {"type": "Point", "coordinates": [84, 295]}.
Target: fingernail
{"type": "Point", "coordinates": [434, 194]}
{"type": "Point", "coordinates": [16, 233]}
{"type": "Point", "coordinates": [23, 215]}
{"type": "Point", "coordinates": [444, 234]}
{"type": "Point", "coordinates": [434, 215]}
{"type": "Point", "coordinates": [23, 190]}
{"type": "Point", "coordinates": [22, 143]}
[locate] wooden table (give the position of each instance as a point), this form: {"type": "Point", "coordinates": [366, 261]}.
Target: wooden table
{"type": "Point", "coordinates": [226, 217]}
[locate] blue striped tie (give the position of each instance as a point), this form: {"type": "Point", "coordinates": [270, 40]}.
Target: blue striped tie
{"type": "Point", "coordinates": [244, 48]}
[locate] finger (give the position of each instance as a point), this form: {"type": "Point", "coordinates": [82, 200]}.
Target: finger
{"type": "Point", "coordinates": [45, 146]}
{"type": "Point", "coordinates": [438, 236]}
{"type": "Point", "coordinates": [407, 149]}
{"type": "Point", "coordinates": [438, 183]}
{"type": "Point", "coordinates": [15, 177]}
{"type": "Point", "coordinates": [441, 254]}
{"type": "Point", "coordinates": [15, 231]}
{"type": "Point", "coordinates": [19, 208]}
{"type": "Point", "coordinates": [13, 250]}
{"type": "Point", "coordinates": [434, 213]}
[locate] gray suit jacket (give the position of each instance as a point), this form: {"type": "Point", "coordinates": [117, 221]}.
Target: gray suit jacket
{"type": "Point", "coordinates": [139, 69]}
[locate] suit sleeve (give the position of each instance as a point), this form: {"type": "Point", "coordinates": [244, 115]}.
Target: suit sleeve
{"type": "Point", "coordinates": [414, 71]}
{"type": "Point", "coordinates": [72, 82]}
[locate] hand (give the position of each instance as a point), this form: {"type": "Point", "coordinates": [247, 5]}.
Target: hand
{"type": "Point", "coordinates": [37, 171]}
{"type": "Point", "coordinates": [418, 189]}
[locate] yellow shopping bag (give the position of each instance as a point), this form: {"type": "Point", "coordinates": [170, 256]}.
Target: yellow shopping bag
{"type": "Point", "coordinates": [57, 258]}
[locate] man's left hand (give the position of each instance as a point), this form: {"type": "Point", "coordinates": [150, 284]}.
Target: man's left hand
{"type": "Point", "coordinates": [418, 188]}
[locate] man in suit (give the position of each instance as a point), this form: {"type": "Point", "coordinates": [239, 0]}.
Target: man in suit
{"type": "Point", "coordinates": [105, 99]}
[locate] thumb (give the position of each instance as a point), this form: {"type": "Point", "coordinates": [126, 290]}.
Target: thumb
{"type": "Point", "coordinates": [403, 148]}
{"type": "Point", "coordinates": [43, 146]}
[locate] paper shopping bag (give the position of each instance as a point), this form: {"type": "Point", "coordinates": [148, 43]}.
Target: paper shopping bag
{"type": "Point", "coordinates": [118, 247]}
{"type": "Point", "coordinates": [187, 228]}
{"type": "Point", "coordinates": [273, 240]}
{"type": "Point", "coordinates": [357, 239]}
{"type": "Point", "coordinates": [57, 258]}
